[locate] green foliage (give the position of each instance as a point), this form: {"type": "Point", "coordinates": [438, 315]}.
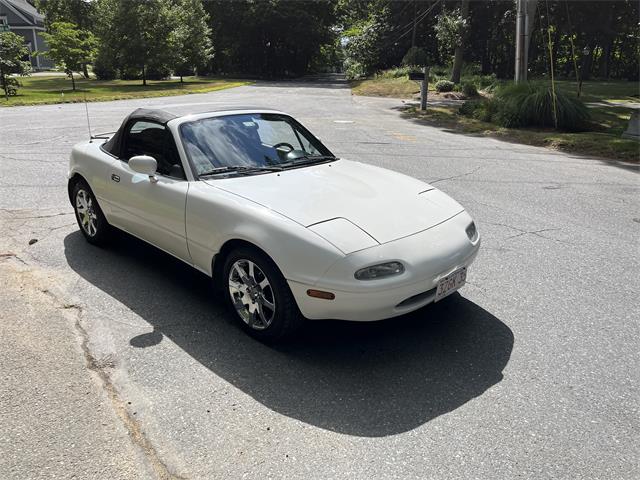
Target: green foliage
{"type": "Point", "coordinates": [482, 110]}
{"type": "Point", "coordinates": [396, 72]}
{"type": "Point", "coordinates": [531, 105]}
{"type": "Point", "coordinates": [353, 70]}
{"type": "Point", "coordinates": [444, 86]}
{"type": "Point", "coordinates": [104, 68]}
{"type": "Point", "coordinates": [269, 38]}
{"type": "Point", "coordinates": [364, 46]}
{"type": "Point", "coordinates": [450, 29]}
{"type": "Point", "coordinates": [12, 51]}
{"type": "Point", "coordinates": [69, 47]}
{"type": "Point", "coordinates": [469, 89]}
{"type": "Point", "coordinates": [80, 12]}
{"type": "Point", "coordinates": [415, 57]}
{"type": "Point", "coordinates": [191, 37]}
{"type": "Point", "coordinates": [137, 35]}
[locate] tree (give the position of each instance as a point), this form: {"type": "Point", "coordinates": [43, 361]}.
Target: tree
{"type": "Point", "coordinates": [191, 37]}
{"type": "Point", "coordinates": [139, 35]}
{"type": "Point", "coordinates": [70, 48]}
{"type": "Point", "coordinates": [415, 57]}
{"type": "Point", "coordinates": [12, 53]}
{"type": "Point", "coordinates": [80, 12]}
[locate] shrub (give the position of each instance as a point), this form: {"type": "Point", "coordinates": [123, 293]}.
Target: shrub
{"type": "Point", "coordinates": [468, 107]}
{"type": "Point", "coordinates": [415, 57]}
{"type": "Point", "coordinates": [529, 105]}
{"type": "Point", "coordinates": [396, 72]}
{"type": "Point", "coordinates": [482, 110]}
{"type": "Point", "coordinates": [444, 86]}
{"type": "Point", "coordinates": [353, 70]}
{"type": "Point", "coordinates": [469, 89]}
{"type": "Point", "coordinates": [9, 84]}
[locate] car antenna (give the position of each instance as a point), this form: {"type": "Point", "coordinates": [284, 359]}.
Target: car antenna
{"type": "Point", "coordinates": [86, 109]}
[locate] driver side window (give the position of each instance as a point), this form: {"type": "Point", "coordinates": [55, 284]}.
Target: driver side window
{"type": "Point", "coordinates": [150, 138]}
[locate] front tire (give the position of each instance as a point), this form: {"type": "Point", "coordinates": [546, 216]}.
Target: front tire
{"type": "Point", "coordinates": [258, 296]}
{"type": "Point", "coordinates": [91, 220]}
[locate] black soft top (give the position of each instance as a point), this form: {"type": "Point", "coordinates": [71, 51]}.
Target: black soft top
{"type": "Point", "coordinates": [164, 116]}
{"type": "Point", "coordinates": [114, 144]}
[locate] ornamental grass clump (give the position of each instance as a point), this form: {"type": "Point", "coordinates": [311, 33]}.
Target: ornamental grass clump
{"type": "Point", "coordinates": [532, 105]}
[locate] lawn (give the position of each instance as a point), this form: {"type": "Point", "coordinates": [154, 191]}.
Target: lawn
{"type": "Point", "coordinates": [400, 87]}
{"type": "Point", "coordinates": [596, 143]}
{"type": "Point", "coordinates": [39, 90]}
{"type": "Point", "coordinates": [606, 101]}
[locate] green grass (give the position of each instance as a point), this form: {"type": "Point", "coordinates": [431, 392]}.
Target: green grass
{"type": "Point", "coordinates": [40, 90]}
{"type": "Point", "coordinates": [608, 119]}
{"type": "Point", "coordinates": [613, 91]}
{"type": "Point", "coordinates": [595, 143]}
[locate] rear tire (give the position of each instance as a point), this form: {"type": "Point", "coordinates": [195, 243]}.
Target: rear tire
{"type": "Point", "coordinates": [91, 220]}
{"type": "Point", "coordinates": [258, 296]}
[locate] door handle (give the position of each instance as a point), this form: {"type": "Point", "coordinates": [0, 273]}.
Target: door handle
{"type": "Point", "coordinates": [115, 177]}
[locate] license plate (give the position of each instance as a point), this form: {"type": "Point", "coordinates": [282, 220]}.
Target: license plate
{"type": "Point", "coordinates": [451, 283]}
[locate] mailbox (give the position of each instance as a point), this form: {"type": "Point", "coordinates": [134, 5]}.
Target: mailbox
{"type": "Point", "coordinates": [416, 75]}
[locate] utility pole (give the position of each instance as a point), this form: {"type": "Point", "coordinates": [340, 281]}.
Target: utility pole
{"type": "Point", "coordinates": [521, 69]}
{"type": "Point", "coordinates": [525, 18]}
{"type": "Point", "coordinates": [415, 23]}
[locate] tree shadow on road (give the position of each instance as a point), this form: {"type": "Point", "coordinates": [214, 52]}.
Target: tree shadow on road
{"type": "Point", "coordinates": [363, 379]}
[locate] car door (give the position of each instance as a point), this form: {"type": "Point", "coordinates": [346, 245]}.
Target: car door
{"type": "Point", "coordinates": [153, 211]}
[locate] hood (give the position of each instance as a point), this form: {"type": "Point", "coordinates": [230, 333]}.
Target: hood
{"type": "Point", "coordinates": [385, 205]}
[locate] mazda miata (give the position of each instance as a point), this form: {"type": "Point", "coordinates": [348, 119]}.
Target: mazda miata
{"type": "Point", "coordinates": [287, 230]}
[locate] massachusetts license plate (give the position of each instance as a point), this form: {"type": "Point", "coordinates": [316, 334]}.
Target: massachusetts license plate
{"type": "Point", "coordinates": [451, 283]}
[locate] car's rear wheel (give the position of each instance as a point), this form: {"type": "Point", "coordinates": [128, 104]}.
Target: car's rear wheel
{"type": "Point", "coordinates": [91, 220]}
{"type": "Point", "coordinates": [258, 295]}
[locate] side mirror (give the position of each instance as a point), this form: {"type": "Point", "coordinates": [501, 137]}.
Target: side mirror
{"type": "Point", "coordinates": [146, 165]}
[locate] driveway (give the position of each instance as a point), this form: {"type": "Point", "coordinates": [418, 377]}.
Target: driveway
{"type": "Point", "coordinates": [531, 371]}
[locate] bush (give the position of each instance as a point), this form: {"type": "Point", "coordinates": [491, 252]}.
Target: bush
{"type": "Point", "coordinates": [468, 107]}
{"type": "Point", "coordinates": [482, 110]}
{"type": "Point", "coordinates": [469, 89]}
{"type": "Point", "coordinates": [104, 68]}
{"type": "Point", "coordinates": [444, 86]}
{"type": "Point", "coordinates": [11, 85]}
{"type": "Point", "coordinates": [529, 105]}
{"type": "Point", "coordinates": [415, 57]}
{"type": "Point", "coordinates": [396, 72]}
{"type": "Point", "coordinates": [353, 70]}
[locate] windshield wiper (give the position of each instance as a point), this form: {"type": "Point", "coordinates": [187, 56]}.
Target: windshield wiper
{"type": "Point", "coordinates": [308, 159]}
{"type": "Point", "coordinates": [239, 169]}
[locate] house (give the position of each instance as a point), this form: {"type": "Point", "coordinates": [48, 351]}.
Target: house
{"type": "Point", "coordinates": [22, 18]}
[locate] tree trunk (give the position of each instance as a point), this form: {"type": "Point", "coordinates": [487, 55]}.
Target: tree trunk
{"type": "Point", "coordinates": [144, 76]}
{"type": "Point", "coordinates": [85, 71]}
{"type": "Point", "coordinates": [73, 81]}
{"type": "Point", "coordinates": [181, 80]}
{"type": "Point", "coordinates": [457, 59]}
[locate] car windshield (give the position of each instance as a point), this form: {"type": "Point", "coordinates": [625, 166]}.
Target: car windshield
{"type": "Point", "coordinates": [249, 142]}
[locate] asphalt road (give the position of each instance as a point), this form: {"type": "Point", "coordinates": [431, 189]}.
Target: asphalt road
{"type": "Point", "coordinates": [532, 371]}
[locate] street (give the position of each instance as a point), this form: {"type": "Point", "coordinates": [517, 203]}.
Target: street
{"type": "Point", "coordinates": [120, 362]}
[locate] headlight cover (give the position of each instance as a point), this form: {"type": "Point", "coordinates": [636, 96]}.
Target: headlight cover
{"type": "Point", "coordinates": [381, 270]}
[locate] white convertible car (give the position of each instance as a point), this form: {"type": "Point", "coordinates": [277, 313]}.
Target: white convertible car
{"type": "Point", "coordinates": [286, 230]}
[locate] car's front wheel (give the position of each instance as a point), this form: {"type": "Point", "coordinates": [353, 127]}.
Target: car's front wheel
{"type": "Point", "coordinates": [91, 220]}
{"type": "Point", "coordinates": [259, 296]}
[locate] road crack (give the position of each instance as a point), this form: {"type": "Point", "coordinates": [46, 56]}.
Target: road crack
{"type": "Point", "coordinates": [453, 177]}
{"type": "Point", "coordinates": [136, 433]}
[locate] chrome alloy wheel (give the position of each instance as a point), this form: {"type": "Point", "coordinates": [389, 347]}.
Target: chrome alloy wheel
{"type": "Point", "coordinates": [251, 294]}
{"type": "Point", "coordinates": [86, 213]}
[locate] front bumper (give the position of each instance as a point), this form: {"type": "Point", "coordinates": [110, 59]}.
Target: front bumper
{"type": "Point", "coordinates": [427, 256]}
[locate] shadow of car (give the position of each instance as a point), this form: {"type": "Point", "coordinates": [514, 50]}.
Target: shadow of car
{"type": "Point", "coordinates": [364, 379]}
